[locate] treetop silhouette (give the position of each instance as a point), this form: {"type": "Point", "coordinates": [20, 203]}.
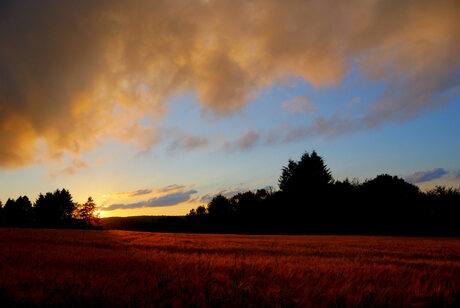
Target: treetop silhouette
{"type": "Point", "coordinates": [56, 209]}
{"type": "Point", "coordinates": [309, 200]}
{"type": "Point", "coordinates": [309, 173]}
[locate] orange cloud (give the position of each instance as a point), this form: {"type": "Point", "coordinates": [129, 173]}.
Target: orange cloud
{"type": "Point", "coordinates": [299, 104]}
{"type": "Point", "coordinates": [73, 73]}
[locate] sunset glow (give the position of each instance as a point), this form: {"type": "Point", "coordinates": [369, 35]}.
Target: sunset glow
{"type": "Point", "coordinates": [153, 107]}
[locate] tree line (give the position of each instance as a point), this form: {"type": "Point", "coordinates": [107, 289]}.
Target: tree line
{"type": "Point", "coordinates": [53, 209]}
{"type": "Point", "coordinates": [309, 200]}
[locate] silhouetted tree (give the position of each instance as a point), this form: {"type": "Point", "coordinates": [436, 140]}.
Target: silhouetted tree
{"type": "Point", "coordinates": [9, 207]}
{"type": "Point", "coordinates": [201, 210]}
{"type": "Point", "coordinates": [9, 210]}
{"type": "Point", "coordinates": [24, 209]}
{"type": "Point", "coordinates": [305, 175]}
{"type": "Point", "coordinates": [55, 208]}
{"type": "Point", "coordinates": [390, 192]}
{"type": "Point", "coordinates": [344, 206]}
{"type": "Point", "coordinates": [310, 201]}
{"type": "Point", "coordinates": [43, 209]}
{"type": "Point", "coordinates": [19, 211]}
{"type": "Point", "coordinates": [86, 213]}
{"type": "Point", "coordinates": [389, 204]}
{"type": "Point", "coordinates": [306, 188]}
{"type": "Point", "coordinates": [244, 202]}
{"type": "Point", "coordinates": [447, 195]}
{"type": "Point", "coordinates": [219, 206]}
{"type": "Point", "coordinates": [387, 186]}
{"type": "Point", "coordinates": [443, 208]}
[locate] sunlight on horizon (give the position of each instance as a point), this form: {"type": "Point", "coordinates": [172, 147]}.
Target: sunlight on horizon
{"type": "Point", "coordinates": [215, 96]}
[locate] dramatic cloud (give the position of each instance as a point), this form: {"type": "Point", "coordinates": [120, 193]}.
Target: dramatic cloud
{"type": "Point", "coordinates": [299, 104]}
{"type": "Point", "coordinates": [166, 200]}
{"type": "Point", "coordinates": [455, 176]}
{"type": "Point", "coordinates": [425, 176]}
{"type": "Point", "coordinates": [73, 73]}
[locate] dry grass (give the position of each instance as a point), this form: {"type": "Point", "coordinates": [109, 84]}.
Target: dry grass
{"type": "Point", "coordinates": [121, 268]}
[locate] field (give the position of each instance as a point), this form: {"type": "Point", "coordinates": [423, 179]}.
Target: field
{"type": "Point", "coordinates": [121, 268]}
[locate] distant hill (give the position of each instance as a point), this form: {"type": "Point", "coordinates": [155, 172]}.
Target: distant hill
{"type": "Point", "coordinates": [140, 223]}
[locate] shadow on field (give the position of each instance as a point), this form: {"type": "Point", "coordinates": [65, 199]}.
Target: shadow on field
{"type": "Point", "coordinates": [87, 268]}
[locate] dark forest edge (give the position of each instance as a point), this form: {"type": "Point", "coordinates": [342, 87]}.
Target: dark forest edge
{"type": "Point", "coordinates": [309, 201]}
{"type": "Point", "coordinates": [51, 210]}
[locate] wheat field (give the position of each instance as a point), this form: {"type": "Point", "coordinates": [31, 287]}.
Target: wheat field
{"type": "Point", "coordinates": [82, 268]}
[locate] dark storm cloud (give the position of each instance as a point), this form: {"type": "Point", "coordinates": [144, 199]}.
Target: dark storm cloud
{"type": "Point", "coordinates": [75, 72]}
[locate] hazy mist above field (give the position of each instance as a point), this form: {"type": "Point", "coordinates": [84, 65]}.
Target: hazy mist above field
{"type": "Point", "coordinates": [217, 95]}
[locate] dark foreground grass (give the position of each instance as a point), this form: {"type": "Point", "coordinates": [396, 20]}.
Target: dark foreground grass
{"type": "Point", "coordinates": [76, 268]}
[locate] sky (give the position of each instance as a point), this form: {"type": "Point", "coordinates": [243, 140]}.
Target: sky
{"type": "Point", "coordinates": [153, 107]}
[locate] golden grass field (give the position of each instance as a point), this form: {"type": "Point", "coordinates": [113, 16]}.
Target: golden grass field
{"type": "Point", "coordinates": [84, 268]}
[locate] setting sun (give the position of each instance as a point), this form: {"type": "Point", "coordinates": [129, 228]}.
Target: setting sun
{"type": "Point", "coordinates": [275, 153]}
